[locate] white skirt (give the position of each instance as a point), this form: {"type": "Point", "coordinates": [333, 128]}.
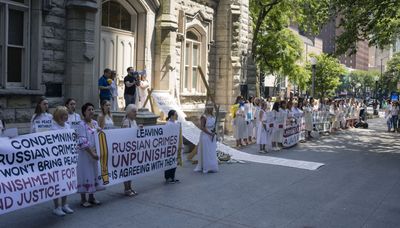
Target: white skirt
{"type": "Point", "coordinates": [207, 154]}
{"type": "Point", "coordinates": [240, 128]}
{"type": "Point", "coordinates": [87, 173]}
{"type": "Point", "coordinates": [261, 134]}
{"type": "Point", "coordinates": [250, 129]}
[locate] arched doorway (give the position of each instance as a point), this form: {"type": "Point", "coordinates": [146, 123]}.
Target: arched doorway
{"type": "Point", "coordinates": [121, 35]}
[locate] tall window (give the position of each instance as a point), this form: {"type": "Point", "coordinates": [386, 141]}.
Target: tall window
{"type": "Point", "coordinates": [14, 41]}
{"type": "Point", "coordinates": [114, 15]}
{"type": "Point", "coordinates": [192, 82]}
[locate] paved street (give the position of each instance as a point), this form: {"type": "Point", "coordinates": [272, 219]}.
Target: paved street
{"type": "Point", "coordinates": [357, 187]}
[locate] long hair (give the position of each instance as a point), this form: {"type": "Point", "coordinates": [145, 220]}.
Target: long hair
{"type": "Point", "coordinates": [104, 102]}
{"type": "Point", "coordinates": [170, 114]}
{"type": "Point", "coordinates": [38, 109]}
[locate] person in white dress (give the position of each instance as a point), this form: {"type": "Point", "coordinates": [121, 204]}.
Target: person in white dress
{"type": "Point", "coordinates": [262, 128]}
{"type": "Point", "coordinates": [74, 119]}
{"type": "Point", "coordinates": [249, 112]}
{"type": "Point", "coordinates": [60, 117]}
{"type": "Point", "coordinates": [336, 118]}
{"type": "Point", "coordinates": [105, 118]}
{"type": "Point", "coordinates": [143, 86]}
{"type": "Point", "coordinates": [88, 160]}
{"type": "Point", "coordinates": [42, 120]}
{"type": "Point", "coordinates": [281, 119]}
{"type": "Point", "coordinates": [207, 146]}
{"type": "Point", "coordinates": [239, 122]}
{"type": "Point", "coordinates": [308, 119]}
{"type": "Point", "coordinates": [275, 131]}
{"type": "Point", "coordinates": [169, 174]}
{"type": "Point", "coordinates": [114, 91]}
{"type": "Point", "coordinates": [257, 109]}
{"type": "Point", "coordinates": [130, 122]}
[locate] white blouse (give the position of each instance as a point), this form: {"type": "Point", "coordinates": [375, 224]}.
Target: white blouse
{"type": "Point", "coordinates": [42, 122]}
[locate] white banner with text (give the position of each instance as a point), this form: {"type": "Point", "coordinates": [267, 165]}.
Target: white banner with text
{"type": "Point", "coordinates": [37, 167]}
{"type": "Point", "coordinates": [128, 153]}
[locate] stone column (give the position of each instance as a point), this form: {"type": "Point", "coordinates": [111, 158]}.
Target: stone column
{"type": "Point", "coordinates": [165, 46]}
{"type": "Point", "coordinates": [80, 80]}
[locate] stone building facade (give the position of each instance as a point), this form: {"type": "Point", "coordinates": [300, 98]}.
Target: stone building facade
{"type": "Point", "coordinates": [59, 48]}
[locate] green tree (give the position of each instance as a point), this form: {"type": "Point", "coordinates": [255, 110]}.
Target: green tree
{"type": "Point", "coordinates": [391, 77]}
{"type": "Point", "coordinates": [360, 81]}
{"type": "Point", "coordinates": [375, 21]}
{"type": "Point", "coordinates": [271, 19]}
{"type": "Point", "coordinates": [279, 55]}
{"type": "Point", "coordinates": [327, 75]}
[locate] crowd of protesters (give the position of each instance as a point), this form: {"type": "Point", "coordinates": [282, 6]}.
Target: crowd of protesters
{"type": "Point", "coordinates": [262, 121]}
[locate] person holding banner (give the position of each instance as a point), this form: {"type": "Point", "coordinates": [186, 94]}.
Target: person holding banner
{"type": "Point", "coordinates": [74, 119]}
{"type": "Point", "coordinates": [207, 146]}
{"type": "Point", "coordinates": [170, 173]}
{"type": "Point", "coordinates": [60, 117]}
{"type": "Point", "coordinates": [129, 122]}
{"type": "Point", "coordinates": [87, 167]}
{"type": "Point", "coordinates": [42, 120]}
{"type": "Point", "coordinates": [105, 118]}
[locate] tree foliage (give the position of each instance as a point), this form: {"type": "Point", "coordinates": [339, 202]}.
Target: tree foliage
{"type": "Point", "coordinates": [271, 36]}
{"type": "Point", "coordinates": [280, 53]}
{"type": "Point", "coordinates": [391, 77]}
{"type": "Point", "coordinates": [375, 21]}
{"type": "Point", "coordinates": [327, 75]}
{"type": "Point", "coordinates": [360, 81]}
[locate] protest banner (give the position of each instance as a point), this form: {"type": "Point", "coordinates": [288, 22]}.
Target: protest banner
{"type": "Point", "coordinates": [129, 153]}
{"type": "Point", "coordinates": [191, 132]}
{"type": "Point", "coordinates": [37, 167]}
{"type": "Point", "coordinates": [291, 134]}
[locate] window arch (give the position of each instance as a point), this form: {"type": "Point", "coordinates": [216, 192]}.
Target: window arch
{"type": "Point", "coordinates": [114, 15]}
{"type": "Point", "coordinates": [192, 82]}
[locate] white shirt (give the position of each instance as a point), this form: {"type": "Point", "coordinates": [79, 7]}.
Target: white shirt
{"type": "Point", "coordinates": [56, 126]}
{"type": "Point", "coordinates": [129, 123]}
{"type": "Point", "coordinates": [114, 89]}
{"type": "Point", "coordinates": [74, 120]}
{"type": "Point", "coordinates": [43, 122]}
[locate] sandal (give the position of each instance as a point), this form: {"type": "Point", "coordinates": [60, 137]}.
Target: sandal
{"type": "Point", "coordinates": [94, 202]}
{"type": "Point", "coordinates": [86, 204]}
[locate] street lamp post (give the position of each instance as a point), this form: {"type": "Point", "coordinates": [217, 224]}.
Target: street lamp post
{"type": "Point", "coordinates": [313, 61]}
